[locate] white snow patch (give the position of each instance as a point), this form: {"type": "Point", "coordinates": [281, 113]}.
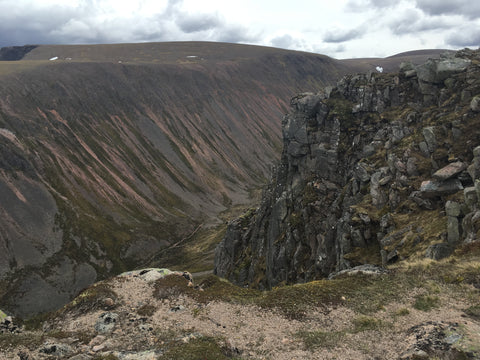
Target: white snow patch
{"type": "Point", "coordinates": [192, 56]}
{"type": "Point", "coordinates": [379, 69]}
{"type": "Point", "coordinates": [53, 58]}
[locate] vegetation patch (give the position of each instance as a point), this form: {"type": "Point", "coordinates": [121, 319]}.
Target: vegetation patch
{"type": "Point", "coordinates": [92, 298]}
{"type": "Point", "coordinates": [146, 310]}
{"type": "Point", "coordinates": [198, 348]}
{"type": "Point", "coordinates": [366, 323]}
{"type": "Point", "coordinates": [314, 340]}
{"type": "Point", "coordinates": [473, 311]}
{"type": "Point", "coordinates": [426, 302]}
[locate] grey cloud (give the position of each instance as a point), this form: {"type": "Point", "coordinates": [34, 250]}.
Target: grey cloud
{"type": "Point", "coordinates": [365, 5]}
{"type": "Point", "coordinates": [414, 21]}
{"type": "Point", "coordinates": [465, 37]}
{"type": "Point", "coordinates": [467, 8]}
{"type": "Point", "coordinates": [196, 23]}
{"type": "Point", "coordinates": [22, 24]}
{"type": "Point", "coordinates": [338, 36]}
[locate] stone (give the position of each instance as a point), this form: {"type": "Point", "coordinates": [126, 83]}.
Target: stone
{"type": "Point", "coordinates": [470, 195]}
{"type": "Point", "coordinates": [430, 138]}
{"type": "Point", "coordinates": [435, 188]}
{"type": "Point", "coordinates": [438, 251]}
{"type": "Point", "coordinates": [453, 232]}
{"type": "Point", "coordinates": [56, 349]}
{"type": "Point", "coordinates": [475, 104]}
{"type": "Point", "coordinates": [367, 269]}
{"type": "Point", "coordinates": [452, 208]}
{"type": "Point", "coordinates": [106, 323]}
{"type": "Point", "coordinates": [449, 171]}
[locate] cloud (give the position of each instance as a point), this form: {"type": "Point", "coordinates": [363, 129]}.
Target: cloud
{"type": "Point", "coordinates": [467, 8]}
{"type": "Point", "coordinates": [366, 5]}
{"type": "Point", "coordinates": [196, 23]}
{"type": "Point", "coordinates": [464, 37]}
{"type": "Point", "coordinates": [414, 21]}
{"type": "Point", "coordinates": [342, 35]}
{"type": "Point", "coordinates": [93, 21]}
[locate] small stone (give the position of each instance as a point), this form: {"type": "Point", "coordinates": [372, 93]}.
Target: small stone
{"type": "Point", "coordinates": [475, 104]}
{"type": "Point", "coordinates": [109, 302]}
{"type": "Point", "coordinates": [438, 251]}
{"type": "Point", "coordinates": [98, 348]}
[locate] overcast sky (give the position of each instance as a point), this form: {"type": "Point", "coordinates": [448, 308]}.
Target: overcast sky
{"type": "Point", "coordinates": [338, 28]}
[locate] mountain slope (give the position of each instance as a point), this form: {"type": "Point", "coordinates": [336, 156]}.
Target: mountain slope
{"type": "Point", "coordinates": [105, 163]}
{"type": "Point", "coordinates": [111, 153]}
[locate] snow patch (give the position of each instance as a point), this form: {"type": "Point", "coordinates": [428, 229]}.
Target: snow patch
{"type": "Point", "coordinates": [54, 58]}
{"type": "Point", "coordinates": [379, 69]}
{"type": "Point", "coordinates": [192, 56]}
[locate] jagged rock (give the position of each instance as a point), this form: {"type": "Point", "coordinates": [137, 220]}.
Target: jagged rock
{"type": "Point", "coordinates": [453, 231]}
{"type": "Point", "coordinates": [56, 350]}
{"type": "Point", "coordinates": [449, 171]}
{"type": "Point", "coordinates": [435, 188]}
{"type": "Point", "coordinates": [470, 195]}
{"type": "Point", "coordinates": [439, 251]}
{"type": "Point", "coordinates": [452, 208]}
{"type": "Point", "coordinates": [304, 231]}
{"type": "Point", "coordinates": [430, 138]}
{"type": "Point", "coordinates": [475, 104]}
{"type": "Point", "coordinates": [366, 269]}
{"type": "Point", "coordinates": [106, 323]}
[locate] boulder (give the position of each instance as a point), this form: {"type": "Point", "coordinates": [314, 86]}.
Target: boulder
{"type": "Point", "coordinates": [449, 171]}
{"type": "Point", "coordinates": [438, 251]}
{"type": "Point", "coordinates": [106, 322]}
{"type": "Point", "coordinates": [452, 208]}
{"type": "Point", "coordinates": [436, 188]}
{"type": "Point", "coordinates": [475, 104]}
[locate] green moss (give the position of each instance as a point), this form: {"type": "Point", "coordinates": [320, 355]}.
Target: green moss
{"type": "Point", "coordinates": [473, 311]}
{"type": "Point", "coordinates": [367, 323]}
{"type": "Point", "coordinates": [314, 340]}
{"type": "Point", "coordinates": [91, 299]}
{"type": "Point", "coordinates": [426, 302]}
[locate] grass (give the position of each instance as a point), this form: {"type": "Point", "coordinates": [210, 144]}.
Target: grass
{"type": "Point", "coordinates": [313, 340]}
{"type": "Point", "coordinates": [204, 347]}
{"type": "Point", "coordinates": [426, 302]}
{"type": "Point", "coordinates": [473, 311]}
{"type": "Point", "coordinates": [367, 323]}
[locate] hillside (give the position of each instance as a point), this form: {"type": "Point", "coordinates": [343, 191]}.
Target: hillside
{"type": "Point", "coordinates": [105, 162]}
{"type": "Point", "coordinates": [113, 155]}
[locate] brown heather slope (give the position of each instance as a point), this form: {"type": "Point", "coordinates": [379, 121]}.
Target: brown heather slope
{"type": "Point", "coordinates": [111, 153]}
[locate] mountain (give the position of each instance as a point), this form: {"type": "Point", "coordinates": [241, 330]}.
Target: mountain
{"type": "Point", "coordinates": [381, 168]}
{"type": "Point", "coordinates": [111, 154]}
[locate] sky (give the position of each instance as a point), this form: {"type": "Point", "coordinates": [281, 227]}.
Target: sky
{"type": "Point", "coordinates": [339, 28]}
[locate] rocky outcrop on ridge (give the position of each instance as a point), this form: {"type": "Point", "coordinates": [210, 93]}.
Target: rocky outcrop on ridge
{"type": "Point", "coordinates": [379, 168]}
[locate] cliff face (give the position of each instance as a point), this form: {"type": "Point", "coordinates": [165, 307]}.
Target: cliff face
{"type": "Point", "coordinates": [367, 171]}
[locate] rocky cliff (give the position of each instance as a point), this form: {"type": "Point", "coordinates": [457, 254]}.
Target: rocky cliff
{"type": "Point", "coordinates": [379, 168]}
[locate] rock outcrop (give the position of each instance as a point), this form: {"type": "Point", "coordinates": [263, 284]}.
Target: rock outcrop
{"type": "Point", "coordinates": [366, 173]}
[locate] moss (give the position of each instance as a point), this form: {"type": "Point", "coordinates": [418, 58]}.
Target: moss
{"type": "Point", "coordinates": [13, 341]}
{"type": "Point", "coordinates": [473, 311]}
{"type": "Point", "coordinates": [92, 298]}
{"type": "Point", "coordinates": [367, 323]}
{"type": "Point", "coordinates": [198, 348]}
{"type": "Point", "coordinates": [426, 302]}
{"type": "Point", "coordinates": [314, 340]}
{"type": "Point", "coordinates": [146, 310]}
